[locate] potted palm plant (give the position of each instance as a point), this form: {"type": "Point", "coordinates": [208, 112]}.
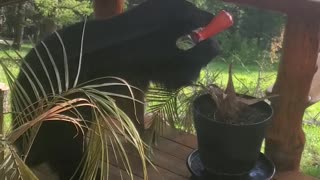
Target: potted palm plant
{"type": "Point", "coordinates": [230, 129]}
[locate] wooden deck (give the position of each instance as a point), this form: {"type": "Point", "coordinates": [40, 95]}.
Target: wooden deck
{"type": "Point", "coordinates": [170, 159]}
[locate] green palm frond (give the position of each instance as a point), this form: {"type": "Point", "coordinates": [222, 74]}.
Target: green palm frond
{"type": "Point", "coordinates": [174, 108]}
{"type": "Point", "coordinates": [162, 110]}
{"type": "Point", "coordinates": [163, 101]}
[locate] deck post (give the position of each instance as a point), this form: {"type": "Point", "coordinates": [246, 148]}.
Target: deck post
{"type": "Point", "coordinates": [285, 138]}
{"type": "Point", "coordinates": [107, 8]}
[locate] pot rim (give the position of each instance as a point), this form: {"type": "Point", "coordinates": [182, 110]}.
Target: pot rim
{"type": "Point", "coordinates": [236, 125]}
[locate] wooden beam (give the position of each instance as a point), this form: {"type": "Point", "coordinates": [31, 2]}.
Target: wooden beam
{"type": "Point", "coordinates": [104, 9]}
{"type": "Point", "coordinates": [285, 138]}
{"type": "Point", "coordinates": [314, 94]}
{"type": "Point", "coordinates": [302, 7]}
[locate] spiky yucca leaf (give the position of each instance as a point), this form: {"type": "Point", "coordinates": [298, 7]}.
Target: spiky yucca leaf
{"type": "Point", "coordinates": [230, 105]}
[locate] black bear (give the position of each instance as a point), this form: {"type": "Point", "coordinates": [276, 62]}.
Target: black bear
{"type": "Point", "coordinates": [138, 46]}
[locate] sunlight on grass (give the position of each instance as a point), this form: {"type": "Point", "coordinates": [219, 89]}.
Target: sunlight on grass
{"type": "Point", "coordinates": [246, 78]}
{"type": "Point", "coordinates": [311, 158]}
{"type": "Point", "coordinates": [7, 122]}
{"type": "Point", "coordinates": [313, 112]}
{"type": "Point", "coordinates": [13, 66]}
{"type": "Point", "coordinates": [25, 48]}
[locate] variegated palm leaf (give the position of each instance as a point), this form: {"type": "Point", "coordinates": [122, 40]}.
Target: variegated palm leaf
{"type": "Point", "coordinates": [108, 134]}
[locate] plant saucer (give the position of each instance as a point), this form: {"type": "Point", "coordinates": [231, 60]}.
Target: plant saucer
{"type": "Point", "coordinates": [264, 169]}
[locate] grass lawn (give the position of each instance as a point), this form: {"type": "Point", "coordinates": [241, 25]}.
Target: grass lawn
{"type": "Point", "coordinates": [245, 82]}
{"type": "Point", "coordinates": [23, 51]}
{"type": "Point", "coordinates": [311, 155]}
{"type": "Point", "coordinates": [11, 58]}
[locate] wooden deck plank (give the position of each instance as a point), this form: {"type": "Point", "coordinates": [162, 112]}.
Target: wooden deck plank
{"type": "Point", "coordinates": [180, 137]}
{"type": "Point", "coordinates": [170, 156]}
{"type": "Point", "coordinates": [175, 149]}
{"type": "Point", "coordinates": [160, 173]}
{"type": "Point", "coordinates": [116, 173]}
{"type": "Point", "coordinates": [171, 163]}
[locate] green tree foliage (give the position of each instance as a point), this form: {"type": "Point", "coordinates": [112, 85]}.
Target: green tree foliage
{"type": "Point", "coordinates": [251, 37]}
{"type": "Point", "coordinates": [42, 17]}
{"type": "Point", "coordinates": [63, 12]}
{"type": "Point", "coordinates": [261, 25]}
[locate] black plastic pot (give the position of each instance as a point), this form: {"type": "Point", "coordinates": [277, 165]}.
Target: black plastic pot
{"type": "Point", "coordinates": [226, 148]}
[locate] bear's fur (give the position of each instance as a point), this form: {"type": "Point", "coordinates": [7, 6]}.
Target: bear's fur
{"type": "Point", "coordinates": [138, 46]}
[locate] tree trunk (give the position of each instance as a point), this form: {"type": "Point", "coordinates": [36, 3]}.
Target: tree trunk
{"type": "Point", "coordinates": [18, 26]}
{"type": "Point", "coordinates": [104, 9]}
{"type": "Point", "coordinates": [285, 138]}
